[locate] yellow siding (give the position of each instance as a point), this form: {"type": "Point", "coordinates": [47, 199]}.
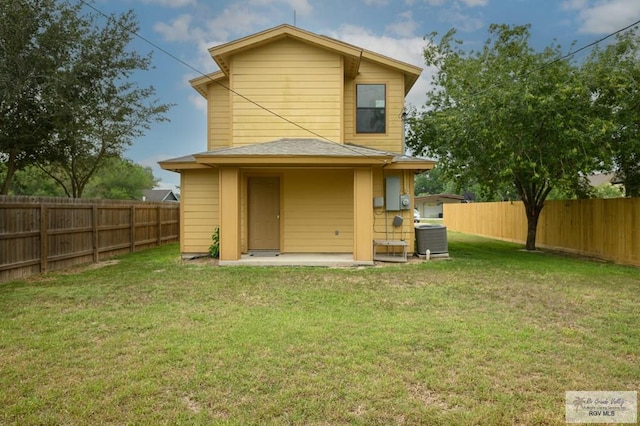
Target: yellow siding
{"type": "Point", "coordinates": [219, 120]}
{"type": "Point", "coordinates": [294, 80]}
{"type": "Point", "coordinates": [371, 73]}
{"type": "Point", "coordinates": [230, 183]}
{"type": "Point", "coordinates": [382, 220]}
{"type": "Point", "coordinates": [363, 220]}
{"type": "Point", "coordinates": [316, 205]}
{"type": "Point", "coordinates": [200, 209]}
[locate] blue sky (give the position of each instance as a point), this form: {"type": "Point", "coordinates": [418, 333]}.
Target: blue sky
{"type": "Point", "coordinates": [187, 28]}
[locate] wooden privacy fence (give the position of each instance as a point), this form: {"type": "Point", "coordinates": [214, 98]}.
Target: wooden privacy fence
{"type": "Point", "coordinates": [39, 235]}
{"type": "Point", "coordinates": [602, 228]}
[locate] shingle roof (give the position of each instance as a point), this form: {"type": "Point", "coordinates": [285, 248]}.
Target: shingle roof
{"type": "Point", "coordinates": [159, 195]}
{"type": "Point", "coordinates": [293, 150]}
{"type": "Point", "coordinates": [299, 147]}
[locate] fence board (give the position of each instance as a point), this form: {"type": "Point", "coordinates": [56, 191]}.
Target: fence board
{"type": "Point", "coordinates": [39, 234]}
{"type": "Point", "coordinates": [603, 228]}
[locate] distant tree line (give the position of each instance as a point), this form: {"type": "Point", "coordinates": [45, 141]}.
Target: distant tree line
{"type": "Point", "coordinates": [116, 179]}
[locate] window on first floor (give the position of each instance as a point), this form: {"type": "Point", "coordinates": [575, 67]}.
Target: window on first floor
{"type": "Point", "coordinates": [371, 108]}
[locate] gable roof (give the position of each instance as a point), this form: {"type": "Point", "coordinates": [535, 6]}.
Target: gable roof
{"type": "Point", "coordinates": [352, 55]}
{"type": "Point", "coordinates": [298, 152]}
{"type": "Point", "coordinates": [159, 195]}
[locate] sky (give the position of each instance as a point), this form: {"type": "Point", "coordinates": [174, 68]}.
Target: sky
{"type": "Point", "coordinates": [396, 28]}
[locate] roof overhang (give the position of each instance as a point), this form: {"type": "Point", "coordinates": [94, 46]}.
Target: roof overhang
{"type": "Point", "coordinates": [411, 72]}
{"type": "Point", "coordinates": [290, 161]}
{"type": "Point", "coordinates": [222, 54]}
{"type": "Point", "coordinates": [201, 84]}
{"type": "Point", "coordinates": [298, 153]}
{"type": "Point", "coordinates": [351, 54]}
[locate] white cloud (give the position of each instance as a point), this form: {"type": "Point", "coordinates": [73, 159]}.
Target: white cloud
{"type": "Point", "coordinates": [376, 2]}
{"type": "Point", "coordinates": [405, 49]}
{"type": "Point", "coordinates": [462, 21]}
{"type": "Point", "coordinates": [178, 30]}
{"type": "Point", "coordinates": [468, 3]}
{"type": "Point", "coordinates": [171, 3]}
{"type": "Point", "coordinates": [198, 101]}
{"type": "Point", "coordinates": [475, 3]}
{"type": "Point", "coordinates": [573, 4]}
{"type": "Point", "coordinates": [405, 26]}
{"type": "Point", "coordinates": [608, 16]}
{"type": "Point", "coordinates": [236, 19]}
{"type": "Point", "coordinates": [302, 7]}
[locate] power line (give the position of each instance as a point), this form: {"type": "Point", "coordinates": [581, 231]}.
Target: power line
{"type": "Point", "coordinates": [600, 40]}
{"type": "Point", "coordinates": [556, 60]}
{"type": "Point", "coordinates": [186, 64]}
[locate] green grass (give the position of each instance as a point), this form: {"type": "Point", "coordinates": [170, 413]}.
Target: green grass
{"type": "Point", "coordinates": [492, 336]}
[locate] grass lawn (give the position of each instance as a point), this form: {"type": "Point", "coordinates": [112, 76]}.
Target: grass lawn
{"type": "Point", "coordinates": [492, 336]}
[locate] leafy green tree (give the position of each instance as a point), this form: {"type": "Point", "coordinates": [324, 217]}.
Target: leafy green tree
{"type": "Point", "coordinates": [31, 180]}
{"type": "Point", "coordinates": [508, 116]}
{"type": "Point", "coordinates": [81, 92]}
{"type": "Point", "coordinates": [121, 180]}
{"type": "Point", "coordinates": [33, 39]}
{"type": "Point", "coordinates": [429, 182]}
{"type": "Point", "coordinates": [116, 179]}
{"type": "Point", "coordinates": [614, 77]}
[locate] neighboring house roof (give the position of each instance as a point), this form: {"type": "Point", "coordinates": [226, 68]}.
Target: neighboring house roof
{"type": "Point", "coordinates": [602, 178]}
{"type": "Point", "coordinates": [440, 197]}
{"type": "Point", "coordinates": [298, 151]}
{"type": "Point", "coordinates": [352, 55]}
{"type": "Point", "coordinates": [159, 195]}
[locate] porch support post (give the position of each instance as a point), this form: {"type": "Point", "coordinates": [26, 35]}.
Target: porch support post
{"type": "Point", "coordinates": [229, 213]}
{"type": "Point", "coordinates": [363, 214]}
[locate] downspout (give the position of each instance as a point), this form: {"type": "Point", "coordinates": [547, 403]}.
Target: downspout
{"type": "Point", "coordinates": [403, 116]}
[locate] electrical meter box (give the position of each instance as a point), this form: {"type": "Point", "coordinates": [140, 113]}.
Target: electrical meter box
{"type": "Point", "coordinates": [405, 202]}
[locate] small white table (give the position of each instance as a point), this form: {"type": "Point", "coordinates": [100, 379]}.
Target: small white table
{"type": "Point", "coordinates": [393, 256]}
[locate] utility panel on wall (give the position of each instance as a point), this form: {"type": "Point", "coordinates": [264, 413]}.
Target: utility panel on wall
{"type": "Point", "coordinates": [392, 191]}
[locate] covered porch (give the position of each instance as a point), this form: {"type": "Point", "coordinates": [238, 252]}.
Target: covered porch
{"type": "Point", "coordinates": [309, 201]}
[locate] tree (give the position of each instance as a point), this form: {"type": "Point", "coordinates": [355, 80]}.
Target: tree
{"type": "Point", "coordinates": [32, 40]}
{"type": "Point", "coordinates": [31, 180]}
{"type": "Point", "coordinates": [120, 179]}
{"type": "Point", "coordinates": [429, 182]}
{"type": "Point", "coordinates": [507, 115]}
{"type": "Point", "coordinates": [116, 178]}
{"type": "Point", "coordinates": [614, 77]}
{"type": "Point", "coordinates": [83, 93]}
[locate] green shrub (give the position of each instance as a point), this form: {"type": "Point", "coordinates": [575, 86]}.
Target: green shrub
{"type": "Point", "coordinates": [214, 248]}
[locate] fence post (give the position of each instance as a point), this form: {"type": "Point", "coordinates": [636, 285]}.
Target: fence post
{"type": "Point", "coordinates": [159, 226]}
{"type": "Point", "coordinates": [132, 235]}
{"type": "Point", "coordinates": [44, 243]}
{"type": "Point", "coordinates": [96, 252]}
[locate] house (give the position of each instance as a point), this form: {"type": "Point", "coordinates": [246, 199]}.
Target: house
{"type": "Point", "coordinates": [602, 179]}
{"type": "Point", "coordinates": [430, 206]}
{"type": "Point", "coordinates": [304, 152]}
{"type": "Point", "coordinates": [164, 195]}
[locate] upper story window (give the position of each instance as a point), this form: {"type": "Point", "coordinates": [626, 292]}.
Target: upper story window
{"type": "Point", "coordinates": [371, 108]}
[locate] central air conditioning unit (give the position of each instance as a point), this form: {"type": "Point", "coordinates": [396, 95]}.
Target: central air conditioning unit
{"type": "Point", "coordinates": [432, 238]}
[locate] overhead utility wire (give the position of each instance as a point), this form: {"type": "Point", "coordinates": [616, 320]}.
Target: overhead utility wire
{"type": "Point", "coordinates": [186, 64]}
{"type": "Point", "coordinates": [568, 55]}
{"type": "Point", "coordinates": [561, 58]}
